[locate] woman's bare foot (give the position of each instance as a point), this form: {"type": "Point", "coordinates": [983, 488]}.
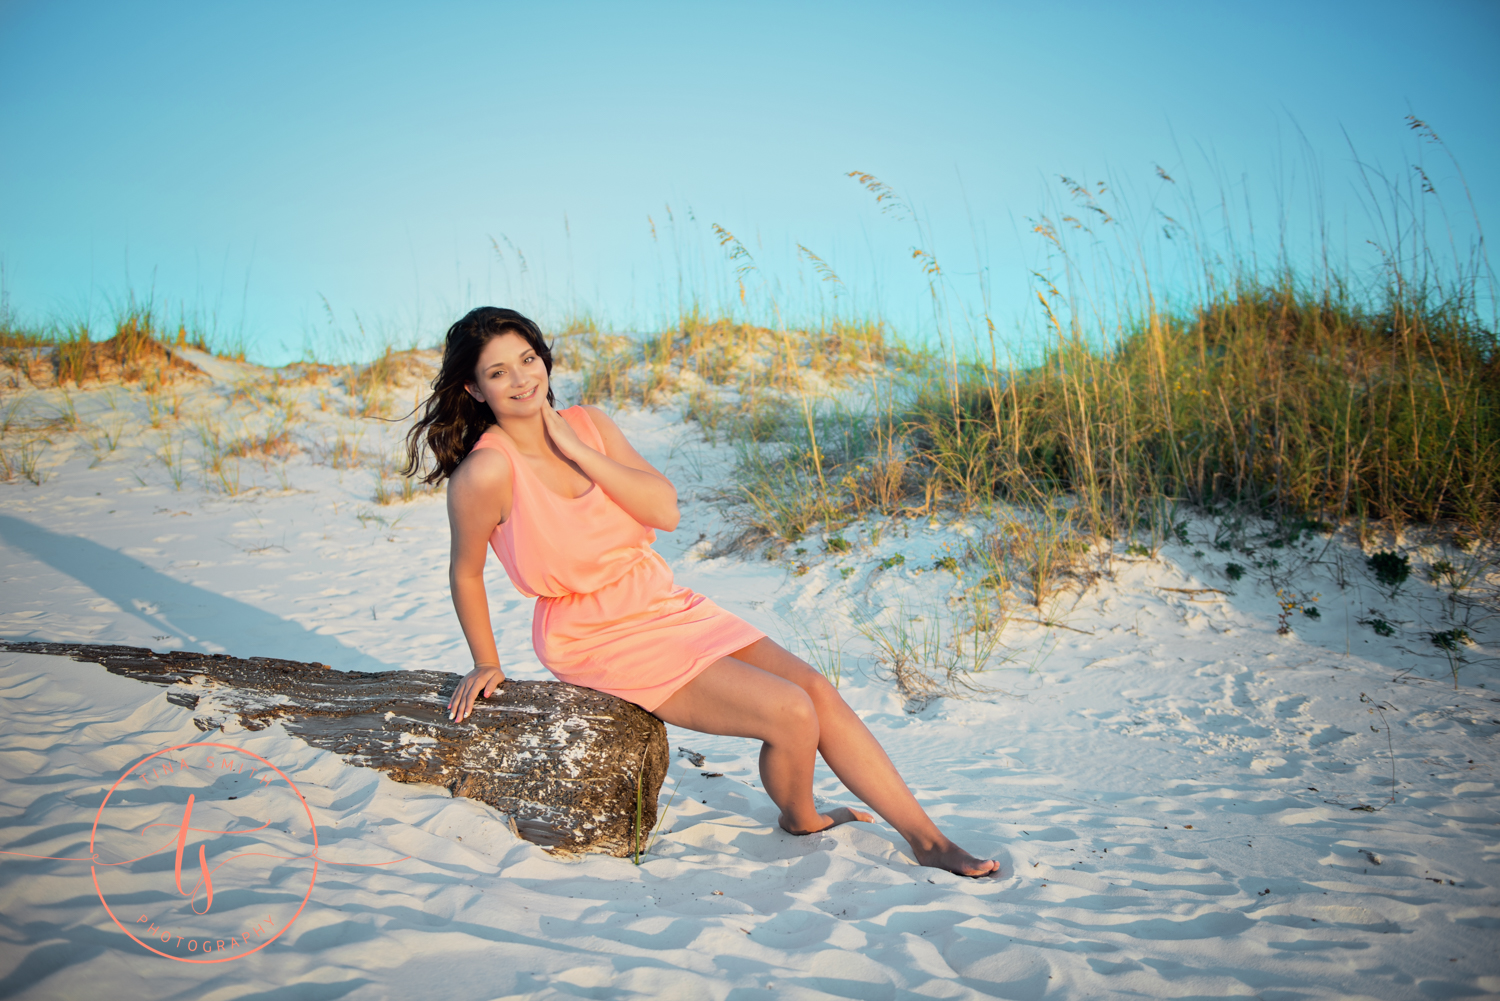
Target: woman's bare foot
{"type": "Point", "coordinates": [957, 861]}
{"type": "Point", "coordinates": [838, 815]}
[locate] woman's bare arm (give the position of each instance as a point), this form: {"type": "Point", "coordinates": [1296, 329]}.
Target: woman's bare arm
{"type": "Point", "coordinates": [479, 496]}
{"type": "Point", "coordinates": [629, 480]}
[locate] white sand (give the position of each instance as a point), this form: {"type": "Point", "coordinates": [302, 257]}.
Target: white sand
{"type": "Point", "coordinates": [1170, 788]}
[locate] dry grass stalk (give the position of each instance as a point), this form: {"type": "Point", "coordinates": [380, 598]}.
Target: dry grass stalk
{"type": "Point", "coordinates": [931, 654]}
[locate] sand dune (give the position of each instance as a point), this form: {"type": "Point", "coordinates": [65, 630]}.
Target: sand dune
{"type": "Point", "coordinates": [1185, 803]}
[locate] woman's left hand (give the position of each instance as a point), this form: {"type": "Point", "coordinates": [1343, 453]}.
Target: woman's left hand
{"type": "Point", "coordinates": [563, 435]}
{"type": "Point", "coordinates": [478, 683]}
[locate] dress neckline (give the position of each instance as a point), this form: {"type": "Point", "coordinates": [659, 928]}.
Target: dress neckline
{"type": "Point", "coordinates": [521, 460]}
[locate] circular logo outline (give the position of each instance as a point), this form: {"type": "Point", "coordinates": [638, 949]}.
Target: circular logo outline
{"type": "Point", "coordinates": [94, 868]}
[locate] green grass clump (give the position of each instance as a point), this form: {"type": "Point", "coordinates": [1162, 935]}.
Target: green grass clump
{"type": "Point", "coordinates": [701, 351]}
{"type": "Point", "coordinates": [1306, 409]}
{"type": "Point", "coordinates": [1271, 397]}
{"type": "Point", "coordinates": [1390, 569]}
{"type": "Point", "coordinates": [137, 349]}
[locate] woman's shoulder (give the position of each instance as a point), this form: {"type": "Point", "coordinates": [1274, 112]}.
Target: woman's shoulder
{"type": "Point", "coordinates": [485, 467]}
{"type": "Point", "coordinates": [601, 420]}
{"type": "Point", "coordinates": [595, 414]}
{"type": "Point", "coordinates": [591, 423]}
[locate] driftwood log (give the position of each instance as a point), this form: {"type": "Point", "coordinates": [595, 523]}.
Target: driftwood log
{"type": "Point", "coordinates": [575, 770]}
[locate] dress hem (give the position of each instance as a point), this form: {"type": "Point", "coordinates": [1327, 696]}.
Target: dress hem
{"type": "Point", "coordinates": [656, 695]}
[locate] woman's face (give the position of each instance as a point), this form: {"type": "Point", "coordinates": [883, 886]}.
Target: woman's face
{"type": "Point", "coordinates": [510, 378]}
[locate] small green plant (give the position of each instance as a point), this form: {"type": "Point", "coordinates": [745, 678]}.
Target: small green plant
{"type": "Point", "coordinates": [155, 407]}
{"type": "Point", "coordinates": [1390, 569]}
{"type": "Point", "coordinates": [275, 442]}
{"type": "Point", "coordinates": [1376, 622]}
{"type": "Point", "coordinates": [172, 458]}
{"type": "Point", "coordinates": [929, 656]}
{"type": "Point", "coordinates": [1234, 571]}
{"type": "Point", "coordinates": [9, 419]}
{"type": "Point", "coordinates": [343, 451]}
{"type": "Point", "coordinates": [1450, 641]}
{"type": "Point", "coordinates": [1136, 549]}
{"type": "Point", "coordinates": [29, 458]}
{"type": "Point", "coordinates": [837, 544]}
{"type": "Point", "coordinates": [895, 560]}
{"type": "Point", "coordinates": [1440, 569]}
{"type": "Point", "coordinates": [406, 486]}
{"type": "Point", "coordinates": [67, 414]}
{"type": "Point", "coordinates": [661, 818]}
{"type": "Point", "coordinates": [1042, 548]}
{"type": "Point", "coordinates": [210, 436]}
{"type": "Point", "coordinates": [1290, 602]}
{"type": "Point", "coordinates": [947, 563]}
{"type": "Point", "coordinates": [227, 475]}
{"type": "Point", "coordinates": [846, 572]}
{"type": "Point", "coordinates": [105, 440]}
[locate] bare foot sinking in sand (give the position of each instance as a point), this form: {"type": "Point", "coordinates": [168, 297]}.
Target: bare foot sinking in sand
{"type": "Point", "coordinates": [833, 818]}
{"type": "Point", "coordinates": [957, 861]}
{"type": "Point", "coordinates": [945, 856]}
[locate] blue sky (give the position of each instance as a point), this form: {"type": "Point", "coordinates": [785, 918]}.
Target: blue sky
{"type": "Point", "coordinates": [294, 174]}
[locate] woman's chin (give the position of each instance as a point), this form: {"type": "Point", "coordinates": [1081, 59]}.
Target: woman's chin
{"type": "Point", "coordinates": [521, 409]}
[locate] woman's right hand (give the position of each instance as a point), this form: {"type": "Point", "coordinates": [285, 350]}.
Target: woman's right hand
{"type": "Point", "coordinates": [480, 681]}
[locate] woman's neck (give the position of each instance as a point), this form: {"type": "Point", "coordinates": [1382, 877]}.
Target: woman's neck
{"type": "Point", "coordinates": [528, 434]}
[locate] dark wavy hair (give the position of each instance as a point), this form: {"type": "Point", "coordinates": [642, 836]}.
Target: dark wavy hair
{"type": "Point", "coordinates": [452, 420]}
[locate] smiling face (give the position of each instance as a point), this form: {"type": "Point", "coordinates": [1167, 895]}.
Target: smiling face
{"type": "Point", "coordinates": [510, 378]}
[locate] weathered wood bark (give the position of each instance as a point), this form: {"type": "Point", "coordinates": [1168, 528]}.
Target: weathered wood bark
{"type": "Point", "coordinates": [570, 766]}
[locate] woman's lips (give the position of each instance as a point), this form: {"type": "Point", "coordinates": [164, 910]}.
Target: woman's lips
{"type": "Point", "coordinates": [526, 395]}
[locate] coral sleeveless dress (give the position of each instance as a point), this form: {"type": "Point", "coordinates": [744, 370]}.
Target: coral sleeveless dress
{"type": "Point", "coordinates": [607, 614]}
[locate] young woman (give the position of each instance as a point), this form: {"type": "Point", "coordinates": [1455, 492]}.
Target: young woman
{"type": "Point", "coordinates": [570, 508]}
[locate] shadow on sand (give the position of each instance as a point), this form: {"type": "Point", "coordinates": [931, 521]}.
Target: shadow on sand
{"type": "Point", "coordinates": [199, 619]}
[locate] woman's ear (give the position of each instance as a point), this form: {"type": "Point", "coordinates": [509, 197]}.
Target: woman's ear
{"type": "Point", "coordinates": [473, 391]}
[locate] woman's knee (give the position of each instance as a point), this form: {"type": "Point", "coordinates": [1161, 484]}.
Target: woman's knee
{"type": "Point", "coordinates": [795, 714]}
{"type": "Point", "coordinates": [806, 677]}
{"type": "Point", "coordinates": [820, 690]}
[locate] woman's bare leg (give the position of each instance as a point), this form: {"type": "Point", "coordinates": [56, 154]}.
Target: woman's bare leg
{"type": "Point", "coordinates": [736, 699]}
{"type": "Point", "coordinates": [730, 703]}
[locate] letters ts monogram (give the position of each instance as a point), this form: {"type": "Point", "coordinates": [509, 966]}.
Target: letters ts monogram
{"type": "Point", "coordinates": [207, 882]}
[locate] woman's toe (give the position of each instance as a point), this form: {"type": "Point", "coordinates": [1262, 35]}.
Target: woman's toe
{"type": "Point", "coordinates": [844, 815]}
